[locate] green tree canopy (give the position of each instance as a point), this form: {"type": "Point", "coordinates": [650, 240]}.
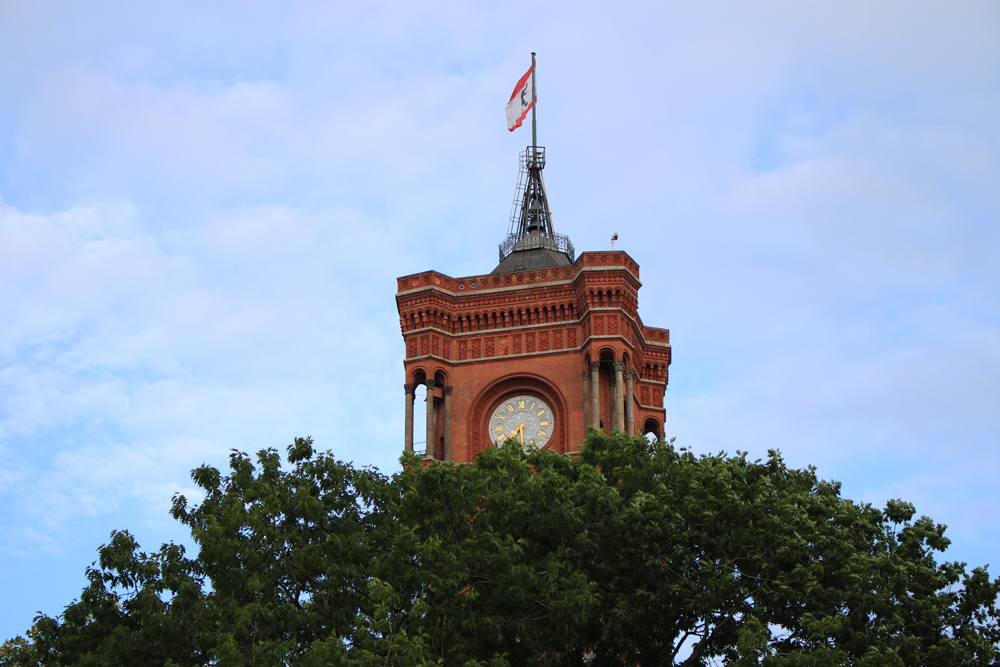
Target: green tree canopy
{"type": "Point", "coordinates": [629, 554]}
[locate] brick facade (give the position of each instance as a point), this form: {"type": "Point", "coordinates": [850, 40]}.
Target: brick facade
{"type": "Point", "coordinates": [548, 333]}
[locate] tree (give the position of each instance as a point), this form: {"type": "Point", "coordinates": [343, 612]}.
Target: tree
{"type": "Point", "coordinates": [631, 553]}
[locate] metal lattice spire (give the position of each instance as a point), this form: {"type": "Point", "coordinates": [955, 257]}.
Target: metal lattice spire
{"type": "Point", "coordinates": [531, 217]}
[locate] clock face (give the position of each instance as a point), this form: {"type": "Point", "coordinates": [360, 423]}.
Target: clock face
{"type": "Point", "coordinates": [527, 419]}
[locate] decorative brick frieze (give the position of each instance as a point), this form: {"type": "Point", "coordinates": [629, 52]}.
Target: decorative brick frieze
{"type": "Point", "coordinates": [482, 284]}
{"type": "Point", "coordinates": [653, 335]}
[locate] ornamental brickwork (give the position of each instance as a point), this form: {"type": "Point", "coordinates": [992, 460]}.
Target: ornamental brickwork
{"type": "Point", "coordinates": [569, 335]}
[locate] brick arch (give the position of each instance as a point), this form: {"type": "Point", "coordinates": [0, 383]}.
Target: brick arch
{"type": "Point", "coordinates": [488, 399]}
{"type": "Point", "coordinates": [615, 356]}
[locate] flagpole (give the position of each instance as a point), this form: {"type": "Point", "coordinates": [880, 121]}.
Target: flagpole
{"type": "Point", "coordinates": [534, 103]}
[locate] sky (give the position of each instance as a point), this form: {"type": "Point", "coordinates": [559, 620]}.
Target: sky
{"type": "Point", "coordinates": [204, 207]}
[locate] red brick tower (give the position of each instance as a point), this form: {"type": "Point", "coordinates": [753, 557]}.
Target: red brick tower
{"type": "Point", "coordinates": [538, 349]}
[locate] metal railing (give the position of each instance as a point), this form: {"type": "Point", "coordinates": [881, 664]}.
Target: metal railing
{"type": "Point", "coordinates": [533, 158]}
{"type": "Point", "coordinates": [557, 242]}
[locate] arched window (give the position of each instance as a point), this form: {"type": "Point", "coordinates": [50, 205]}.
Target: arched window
{"type": "Point", "coordinates": [651, 429]}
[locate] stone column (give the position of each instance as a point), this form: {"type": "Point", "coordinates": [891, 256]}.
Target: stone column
{"type": "Point", "coordinates": [619, 395]}
{"type": "Point", "coordinates": [612, 402]}
{"type": "Point", "coordinates": [447, 423]}
{"type": "Point", "coordinates": [629, 402]}
{"type": "Point", "coordinates": [586, 400]}
{"type": "Point", "coordinates": [408, 420]}
{"type": "Point", "coordinates": [429, 441]}
{"type": "Point", "coordinates": [595, 393]}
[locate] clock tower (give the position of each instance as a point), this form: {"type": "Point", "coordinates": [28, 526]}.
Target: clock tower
{"type": "Point", "coordinates": [543, 346]}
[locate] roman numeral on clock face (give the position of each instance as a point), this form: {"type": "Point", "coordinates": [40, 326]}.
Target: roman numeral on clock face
{"type": "Point", "coordinates": [526, 419]}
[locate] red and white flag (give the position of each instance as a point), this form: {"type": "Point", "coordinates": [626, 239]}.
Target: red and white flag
{"type": "Point", "coordinates": [520, 100]}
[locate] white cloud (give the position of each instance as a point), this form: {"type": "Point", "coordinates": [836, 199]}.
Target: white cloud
{"type": "Point", "coordinates": [127, 353]}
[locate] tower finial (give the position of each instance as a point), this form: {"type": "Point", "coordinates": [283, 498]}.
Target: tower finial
{"type": "Point", "coordinates": [531, 225]}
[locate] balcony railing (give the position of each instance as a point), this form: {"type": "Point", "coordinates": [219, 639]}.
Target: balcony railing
{"type": "Point", "coordinates": [557, 242]}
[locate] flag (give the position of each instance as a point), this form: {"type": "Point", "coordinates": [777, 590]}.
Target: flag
{"type": "Point", "coordinates": [520, 100]}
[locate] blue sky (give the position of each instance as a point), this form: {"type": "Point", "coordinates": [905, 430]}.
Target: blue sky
{"type": "Point", "coordinates": [204, 206]}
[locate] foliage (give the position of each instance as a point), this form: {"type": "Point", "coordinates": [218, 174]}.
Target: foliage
{"type": "Point", "coordinates": [631, 553]}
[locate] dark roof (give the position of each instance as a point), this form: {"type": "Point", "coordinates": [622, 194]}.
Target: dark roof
{"type": "Point", "coordinates": [532, 260]}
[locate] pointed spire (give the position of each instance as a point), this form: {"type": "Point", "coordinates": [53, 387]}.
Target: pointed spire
{"type": "Point", "coordinates": [531, 228]}
{"type": "Point", "coordinates": [535, 216]}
